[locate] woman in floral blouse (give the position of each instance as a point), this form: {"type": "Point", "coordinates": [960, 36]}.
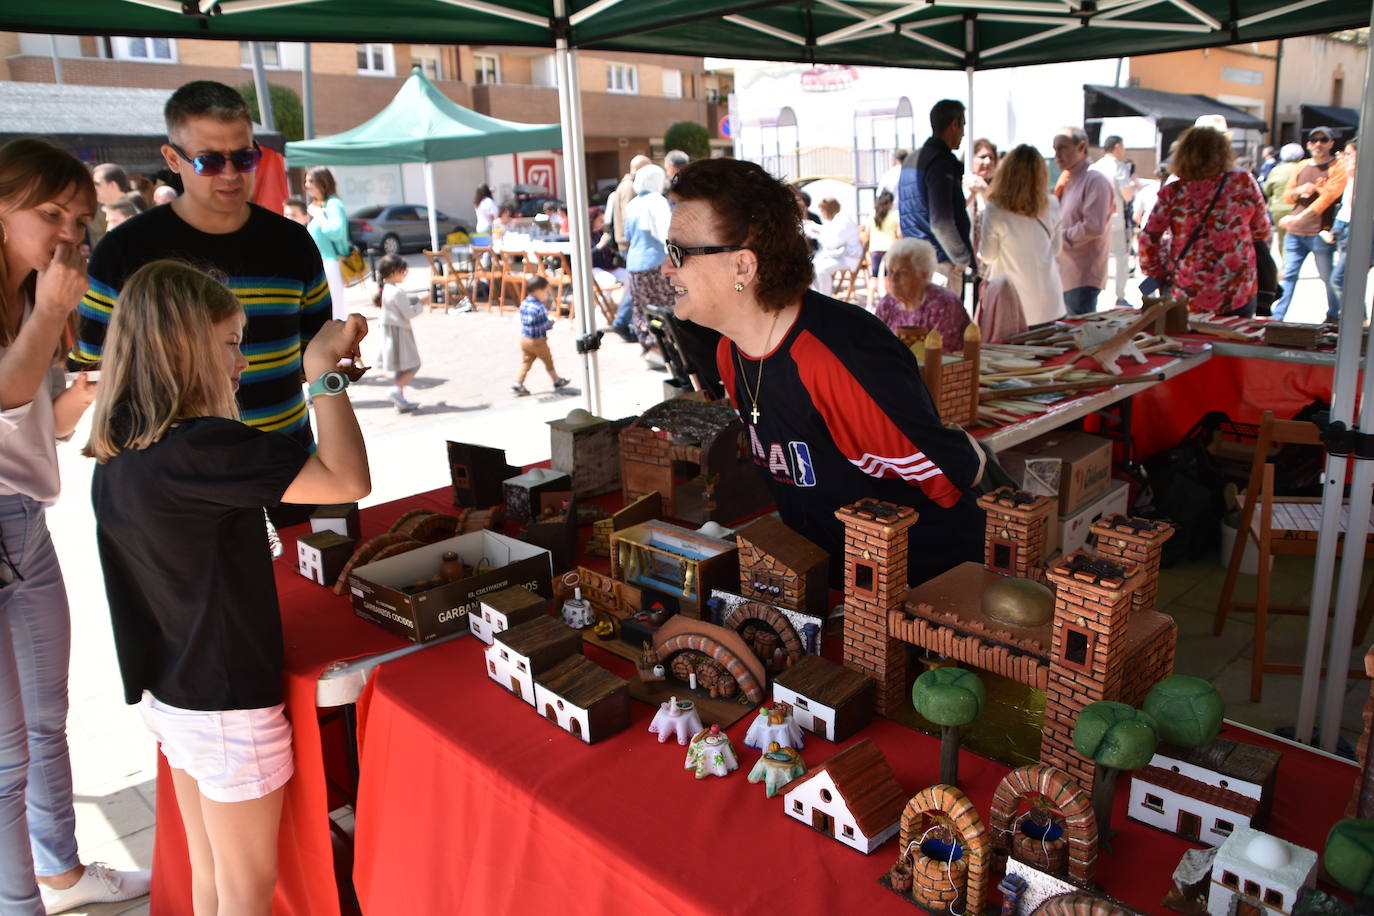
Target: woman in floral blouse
{"type": "Point", "coordinates": [1216, 272]}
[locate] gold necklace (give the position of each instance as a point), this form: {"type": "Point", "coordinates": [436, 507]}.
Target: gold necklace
{"type": "Point", "coordinates": [758, 381]}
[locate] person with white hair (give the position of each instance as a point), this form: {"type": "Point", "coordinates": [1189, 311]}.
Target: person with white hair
{"type": "Point", "coordinates": [839, 247]}
{"type": "Point", "coordinates": [164, 194]}
{"type": "Point", "coordinates": [913, 301]}
{"type": "Point", "coordinates": [1277, 181]}
{"type": "Point", "coordinates": [646, 227]}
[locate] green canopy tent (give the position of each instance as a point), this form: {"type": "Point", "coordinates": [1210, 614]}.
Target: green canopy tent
{"type": "Point", "coordinates": [940, 34]}
{"type": "Point", "coordinates": [421, 124]}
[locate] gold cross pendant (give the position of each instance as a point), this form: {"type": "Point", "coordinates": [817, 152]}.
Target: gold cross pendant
{"type": "Point", "coordinates": [755, 414]}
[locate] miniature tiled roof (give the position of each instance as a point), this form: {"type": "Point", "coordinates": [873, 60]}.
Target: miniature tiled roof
{"type": "Point", "coordinates": [580, 681]}
{"type": "Point", "coordinates": [533, 634]}
{"type": "Point", "coordinates": [511, 598]}
{"type": "Point", "coordinates": [1232, 759]}
{"type": "Point", "coordinates": [864, 779]}
{"type": "Point", "coordinates": [1189, 787]}
{"type": "Point", "coordinates": [821, 680]}
{"type": "Point", "coordinates": [774, 538]}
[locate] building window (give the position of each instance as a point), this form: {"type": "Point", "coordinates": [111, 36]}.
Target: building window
{"type": "Point", "coordinates": [848, 832]}
{"type": "Point", "coordinates": [156, 50]}
{"type": "Point", "coordinates": [504, 656]}
{"type": "Point", "coordinates": [712, 94]}
{"type": "Point", "coordinates": [271, 53]}
{"type": "Point", "coordinates": [1273, 898]}
{"type": "Point", "coordinates": [826, 796]}
{"type": "Point", "coordinates": [1003, 555]}
{"type": "Point", "coordinates": [430, 67]}
{"type": "Point", "coordinates": [1223, 827]}
{"type": "Point", "coordinates": [1154, 802]}
{"type": "Point", "coordinates": [1078, 646]}
{"type": "Point", "coordinates": [486, 69]}
{"type": "Point", "coordinates": [864, 577]}
{"type": "Point", "coordinates": [622, 78]}
{"type": "Point", "coordinates": [1337, 89]}
{"type": "Point", "coordinates": [672, 84]}
{"type": "Point", "coordinates": [376, 60]}
{"type": "Point", "coordinates": [800, 703]}
{"type": "Point", "coordinates": [798, 807]}
{"type": "Point", "coordinates": [1229, 879]}
{"type": "Point", "coordinates": [1252, 889]}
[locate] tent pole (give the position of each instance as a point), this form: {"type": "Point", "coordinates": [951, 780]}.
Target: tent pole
{"type": "Point", "coordinates": [1362, 481]}
{"type": "Point", "coordinates": [307, 93]}
{"type": "Point", "coordinates": [429, 205]}
{"type": "Point", "coordinates": [261, 88]}
{"type": "Point", "coordinates": [575, 173]}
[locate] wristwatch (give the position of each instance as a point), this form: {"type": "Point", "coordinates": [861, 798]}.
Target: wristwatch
{"type": "Point", "coordinates": [331, 382]}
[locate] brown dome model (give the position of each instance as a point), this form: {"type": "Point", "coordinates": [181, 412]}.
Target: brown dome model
{"type": "Point", "coordinates": [1019, 602]}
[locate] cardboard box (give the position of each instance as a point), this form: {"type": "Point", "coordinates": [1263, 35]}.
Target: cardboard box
{"type": "Point", "coordinates": [1074, 466]}
{"type": "Point", "coordinates": [1071, 532]}
{"type": "Point", "coordinates": [439, 611]}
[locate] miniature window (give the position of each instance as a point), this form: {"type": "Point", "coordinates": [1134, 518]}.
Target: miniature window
{"type": "Point", "coordinates": [520, 665]}
{"type": "Point", "coordinates": [1273, 898]}
{"type": "Point", "coordinates": [826, 796]}
{"type": "Point", "coordinates": [797, 806]}
{"type": "Point", "coordinates": [1223, 827]}
{"type": "Point", "coordinates": [486, 615]}
{"type": "Point", "coordinates": [848, 832]}
{"type": "Point", "coordinates": [560, 705]}
{"type": "Point", "coordinates": [1229, 879]}
{"type": "Point", "coordinates": [1225, 784]}
{"type": "Point", "coordinates": [1003, 555]}
{"type": "Point", "coordinates": [1252, 889]}
{"type": "Point", "coordinates": [504, 656]}
{"type": "Point", "coordinates": [1078, 646]}
{"type": "Point", "coordinates": [864, 577]}
{"type": "Point", "coordinates": [1154, 802]}
{"type": "Point", "coordinates": [460, 475]}
{"type": "Point", "coordinates": [491, 666]}
{"type": "Point", "coordinates": [800, 703]}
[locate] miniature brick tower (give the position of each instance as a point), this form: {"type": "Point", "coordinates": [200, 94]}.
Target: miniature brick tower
{"type": "Point", "coordinates": [1014, 542]}
{"type": "Point", "coordinates": [1087, 652]}
{"type": "Point", "coordinates": [1135, 540]}
{"type": "Point", "coordinates": [875, 584]}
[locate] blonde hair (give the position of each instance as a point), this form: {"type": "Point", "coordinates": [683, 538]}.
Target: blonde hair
{"type": "Point", "coordinates": [1201, 152]}
{"type": "Point", "coordinates": [1021, 182]}
{"type": "Point", "coordinates": [160, 363]}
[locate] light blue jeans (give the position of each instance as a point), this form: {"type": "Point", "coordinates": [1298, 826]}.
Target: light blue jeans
{"type": "Point", "coordinates": [1296, 248]}
{"type": "Point", "coordinates": [37, 820]}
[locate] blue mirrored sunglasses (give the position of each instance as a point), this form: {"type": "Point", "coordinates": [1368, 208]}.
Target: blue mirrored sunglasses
{"type": "Point", "coordinates": [244, 160]}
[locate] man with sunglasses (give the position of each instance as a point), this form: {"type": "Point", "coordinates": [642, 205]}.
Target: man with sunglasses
{"type": "Point", "coordinates": [269, 261]}
{"type": "Point", "coordinates": [1315, 193]}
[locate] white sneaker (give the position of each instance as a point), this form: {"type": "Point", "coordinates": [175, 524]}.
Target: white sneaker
{"type": "Point", "coordinates": [99, 884]}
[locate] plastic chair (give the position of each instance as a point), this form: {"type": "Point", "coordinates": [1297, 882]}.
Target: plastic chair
{"type": "Point", "coordinates": [1282, 525]}
{"type": "Point", "coordinates": [485, 270]}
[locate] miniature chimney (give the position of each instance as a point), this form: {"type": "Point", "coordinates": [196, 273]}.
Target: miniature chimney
{"type": "Point", "coordinates": [932, 362]}
{"type": "Point", "coordinates": [1135, 540]}
{"type": "Point", "coordinates": [875, 583]}
{"type": "Point", "coordinates": [1014, 538]}
{"type": "Point", "coordinates": [1088, 650]}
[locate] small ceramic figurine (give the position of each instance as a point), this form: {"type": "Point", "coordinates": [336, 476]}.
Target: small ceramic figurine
{"type": "Point", "coordinates": [678, 718]}
{"type": "Point", "coordinates": [774, 723]}
{"type": "Point", "coordinates": [451, 568]}
{"type": "Point", "coordinates": [577, 612]}
{"type": "Point", "coordinates": [776, 767]}
{"type": "Point", "coordinates": [710, 753]}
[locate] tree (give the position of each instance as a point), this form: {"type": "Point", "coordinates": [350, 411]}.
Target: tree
{"type": "Point", "coordinates": [286, 109]}
{"type": "Point", "coordinates": [1116, 737]}
{"type": "Point", "coordinates": [1349, 859]}
{"type": "Point", "coordinates": [1187, 710]}
{"type": "Point", "coordinates": [949, 697]}
{"type": "Point", "coordinates": [690, 137]}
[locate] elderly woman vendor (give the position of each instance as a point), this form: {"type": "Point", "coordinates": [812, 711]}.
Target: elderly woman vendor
{"type": "Point", "coordinates": [913, 301]}
{"type": "Point", "coordinates": [834, 405]}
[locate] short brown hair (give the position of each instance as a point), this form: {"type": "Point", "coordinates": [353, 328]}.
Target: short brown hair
{"type": "Point", "coordinates": [1201, 152]}
{"type": "Point", "coordinates": [204, 99]}
{"type": "Point", "coordinates": [323, 180]}
{"type": "Point", "coordinates": [1021, 182]}
{"type": "Point", "coordinates": [754, 210]}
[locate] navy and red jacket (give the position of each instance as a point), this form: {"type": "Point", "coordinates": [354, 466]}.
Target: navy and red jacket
{"type": "Point", "coordinates": [843, 415]}
{"type": "Point", "coordinates": [931, 202]}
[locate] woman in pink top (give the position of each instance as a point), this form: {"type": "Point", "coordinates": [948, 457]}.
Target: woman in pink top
{"type": "Point", "coordinates": [1199, 239]}
{"type": "Point", "coordinates": [913, 301]}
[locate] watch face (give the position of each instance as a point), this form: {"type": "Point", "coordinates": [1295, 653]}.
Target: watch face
{"type": "Point", "coordinates": [335, 381]}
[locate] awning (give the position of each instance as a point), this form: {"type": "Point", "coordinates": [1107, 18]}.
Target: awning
{"type": "Point", "coordinates": [1170, 111]}
{"type": "Point", "coordinates": [1344, 121]}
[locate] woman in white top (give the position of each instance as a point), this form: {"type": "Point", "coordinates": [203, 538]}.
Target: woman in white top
{"type": "Point", "coordinates": [1021, 234]}
{"type": "Point", "coordinates": [840, 247]}
{"type": "Point", "coordinates": [46, 200]}
{"type": "Point", "coordinates": [486, 208]}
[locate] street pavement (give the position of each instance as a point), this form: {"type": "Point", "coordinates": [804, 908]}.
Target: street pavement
{"type": "Point", "coordinates": [464, 387]}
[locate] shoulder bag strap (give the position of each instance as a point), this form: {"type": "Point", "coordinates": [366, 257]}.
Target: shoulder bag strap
{"type": "Point", "coordinates": [1197, 230]}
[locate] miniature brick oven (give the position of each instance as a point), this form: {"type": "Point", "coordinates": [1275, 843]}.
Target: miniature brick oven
{"type": "Point", "coordinates": [1103, 643]}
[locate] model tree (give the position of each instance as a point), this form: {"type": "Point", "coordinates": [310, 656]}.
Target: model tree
{"type": "Point", "coordinates": [1116, 737]}
{"type": "Point", "coordinates": [951, 698]}
{"type": "Point", "coordinates": [1349, 859]}
{"type": "Point", "coordinates": [1187, 710]}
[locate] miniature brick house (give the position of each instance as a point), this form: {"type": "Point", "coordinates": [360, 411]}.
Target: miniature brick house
{"type": "Point", "coordinates": [852, 797]}
{"type": "Point", "coordinates": [1202, 793]}
{"type": "Point", "coordinates": [516, 655]}
{"type": "Point", "coordinates": [827, 699]}
{"type": "Point", "coordinates": [778, 566]}
{"type": "Point", "coordinates": [585, 448]}
{"type": "Point", "coordinates": [1096, 647]}
{"type": "Point", "coordinates": [1254, 872]}
{"type": "Point", "coordinates": [321, 556]}
{"type": "Point", "coordinates": [522, 491]}
{"type": "Point", "coordinates": [503, 609]}
{"type": "Point", "coordinates": [477, 473]}
{"type": "Point", "coordinates": [583, 699]}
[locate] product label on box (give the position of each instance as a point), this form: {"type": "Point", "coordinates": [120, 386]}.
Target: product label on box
{"type": "Point", "coordinates": [383, 610]}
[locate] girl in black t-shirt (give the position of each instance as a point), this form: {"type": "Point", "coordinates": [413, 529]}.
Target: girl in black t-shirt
{"type": "Point", "coordinates": [179, 496]}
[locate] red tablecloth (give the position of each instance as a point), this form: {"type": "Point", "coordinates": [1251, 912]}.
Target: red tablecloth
{"type": "Point", "coordinates": [472, 803]}
{"type": "Point", "coordinates": [319, 628]}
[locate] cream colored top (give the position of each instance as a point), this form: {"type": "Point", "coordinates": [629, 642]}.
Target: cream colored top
{"type": "Point", "coordinates": [28, 447]}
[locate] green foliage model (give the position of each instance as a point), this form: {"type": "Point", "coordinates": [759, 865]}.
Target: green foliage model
{"type": "Point", "coordinates": [286, 109]}
{"type": "Point", "coordinates": [1187, 710]}
{"type": "Point", "coordinates": [949, 697]}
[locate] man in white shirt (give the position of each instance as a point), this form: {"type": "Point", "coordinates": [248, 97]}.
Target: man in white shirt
{"type": "Point", "coordinates": [1113, 165]}
{"type": "Point", "coordinates": [893, 176]}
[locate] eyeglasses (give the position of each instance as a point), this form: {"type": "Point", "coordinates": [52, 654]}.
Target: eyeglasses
{"type": "Point", "coordinates": [677, 254]}
{"type": "Point", "coordinates": [206, 164]}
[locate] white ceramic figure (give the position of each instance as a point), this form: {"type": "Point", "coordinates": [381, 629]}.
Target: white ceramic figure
{"type": "Point", "coordinates": [577, 613]}
{"type": "Point", "coordinates": [774, 723]}
{"type": "Point", "coordinates": [678, 718]}
{"type": "Point", "coordinates": [710, 753]}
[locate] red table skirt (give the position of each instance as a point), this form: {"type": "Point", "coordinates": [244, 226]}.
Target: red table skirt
{"type": "Point", "coordinates": [472, 803]}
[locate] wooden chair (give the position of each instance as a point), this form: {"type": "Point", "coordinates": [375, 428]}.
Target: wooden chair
{"type": "Point", "coordinates": [604, 300]}
{"type": "Point", "coordinates": [485, 269]}
{"type": "Point", "coordinates": [516, 269]}
{"type": "Point", "coordinates": [456, 270]}
{"type": "Point", "coordinates": [1279, 525]}
{"type": "Point", "coordinates": [445, 289]}
{"type": "Point", "coordinates": [849, 279]}
{"type": "Point", "coordinates": [560, 278]}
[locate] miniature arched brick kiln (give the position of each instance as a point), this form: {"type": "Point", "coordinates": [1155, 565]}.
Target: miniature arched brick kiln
{"type": "Point", "coordinates": [717, 652]}
{"type": "Point", "coordinates": [1065, 797]}
{"type": "Point", "coordinates": [774, 620]}
{"type": "Point", "coordinates": [968, 832]}
{"type": "Point", "coordinates": [1077, 904]}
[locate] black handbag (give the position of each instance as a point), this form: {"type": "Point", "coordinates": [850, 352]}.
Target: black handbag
{"type": "Point", "coordinates": [1165, 288]}
{"type": "Point", "coordinates": [1269, 287]}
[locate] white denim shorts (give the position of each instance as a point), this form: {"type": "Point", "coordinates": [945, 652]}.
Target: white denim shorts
{"type": "Point", "coordinates": [234, 755]}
